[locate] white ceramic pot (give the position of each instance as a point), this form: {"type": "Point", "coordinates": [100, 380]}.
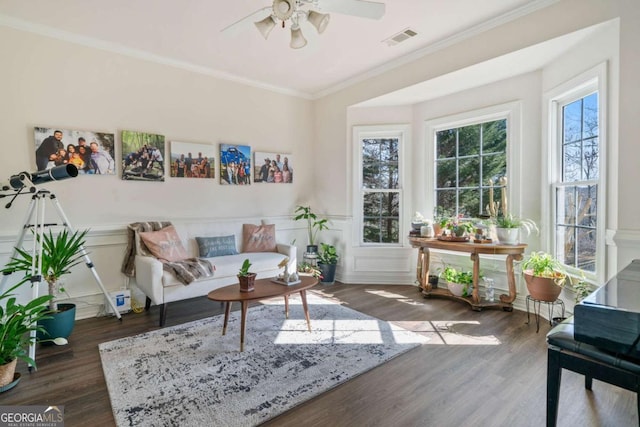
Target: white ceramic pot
{"type": "Point", "coordinates": [507, 236]}
{"type": "Point", "coordinates": [457, 289]}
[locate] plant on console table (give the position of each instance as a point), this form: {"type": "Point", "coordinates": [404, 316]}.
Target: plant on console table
{"type": "Point", "coordinates": [544, 276]}
{"type": "Point", "coordinates": [245, 277]}
{"type": "Point", "coordinates": [460, 283]}
{"type": "Point", "coordinates": [457, 227]}
{"type": "Point", "coordinates": [314, 225]}
{"type": "Point", "coordinates": [508, 227]}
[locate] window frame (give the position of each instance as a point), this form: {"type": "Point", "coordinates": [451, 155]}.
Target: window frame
{"type": "Point", "coordinates": [589, 82]}
{"type": "Point", "coordinates": [511, 112]}
{"type": "Point", "coordinates": [402, 132]}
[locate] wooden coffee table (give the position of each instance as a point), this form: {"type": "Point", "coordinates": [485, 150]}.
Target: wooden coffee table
{"type": "Point", "coordinates": [264, 288]}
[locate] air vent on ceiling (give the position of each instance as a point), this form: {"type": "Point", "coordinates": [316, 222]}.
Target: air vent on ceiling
{"type": "Point", "coordinates": [403, 35]}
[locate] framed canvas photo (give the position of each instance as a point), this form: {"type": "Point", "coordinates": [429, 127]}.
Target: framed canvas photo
{"type": "Point", "coordinates": [142, 156]}
{"type": "Point", "coordinates": [235, 164]}
{"type": "Point", "coordinates": [91, 152]}
{"type": "Point", "coordinates": [192, 160]}
{"type": "Point", "coordinates": [273, 168]}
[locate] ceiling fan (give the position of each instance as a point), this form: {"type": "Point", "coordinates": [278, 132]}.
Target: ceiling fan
{"type": "Point", "coordinates": [299, 11]}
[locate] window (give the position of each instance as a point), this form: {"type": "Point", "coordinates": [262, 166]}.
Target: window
{"type": "Point", "coordinates": [380, 198]}
{"type": "Point", "coordinates": [577, 173]}
{"type": "Point", "coordinates": [576, 191]}
{"type": "Point", "coordinates": [468, 160]}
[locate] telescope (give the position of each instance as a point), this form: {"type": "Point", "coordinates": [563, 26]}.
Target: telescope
{"type": "Point", "coordinates": [56, 173]}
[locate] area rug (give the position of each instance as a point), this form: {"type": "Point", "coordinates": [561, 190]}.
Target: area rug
{"type": "Point", "coordinates": [191, 375]}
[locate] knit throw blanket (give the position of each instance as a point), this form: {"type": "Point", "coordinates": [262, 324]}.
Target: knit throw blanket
{"type": "Point", "coordinates": [187, 271]}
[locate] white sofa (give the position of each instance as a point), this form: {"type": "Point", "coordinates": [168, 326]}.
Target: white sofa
{"type": "Point", "coordinates": [162, 287]}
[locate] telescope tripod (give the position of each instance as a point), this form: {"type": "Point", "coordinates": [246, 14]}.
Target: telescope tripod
{"type": "Point", "coordinates": [35, 221]}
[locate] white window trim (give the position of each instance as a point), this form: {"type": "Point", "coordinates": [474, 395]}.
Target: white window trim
{"type": "Point", "coordinates": [588, 82]}
{"type": "Point", "coordinates": [403, 133]}
{"type": "Point", "coordinates": [510, 111]}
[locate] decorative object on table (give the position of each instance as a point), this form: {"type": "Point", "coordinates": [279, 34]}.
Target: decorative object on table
{"type": "Point", "coordinates": [314, 225]}
{"type": "Point", "coordinates": [246, 279]}
{"type": "Point", "coordinates": [416, 224]}
{"type": "Point", "coordinates": [55, 147]}
{"type": "Point", "coordinates": [544, 276]}
{"type": "Point", "coordinates": [273, 168]}
{"type": "Point", "coordinates": [509, 226]}
{"type": "Point", "coordinates": [189, 160]}
{"type": "Point", "coordinates": [433, 281]}
{"type": "Point", "coordinates": [235, 164]}
{"type": "Point", "coordinates": [60, 253]}
{"type": "Point", "coordinates": [460, 283]}
{"type": "Point", "coordinates": [142, 156]}
{"type": "Point", "coordinates": [195, 375]}
{"type": "Point", "coordinates": [17, 324]}
{"type": "Point", "coordinates": [286, 278]}
{"type": "Point", "coordinates": [457, 227]}
{"type": "Point", "coordinates": [327, 263]}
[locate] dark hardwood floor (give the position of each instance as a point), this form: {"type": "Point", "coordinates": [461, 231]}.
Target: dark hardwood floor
{"type": "Point", "coordinates": [478, 369]}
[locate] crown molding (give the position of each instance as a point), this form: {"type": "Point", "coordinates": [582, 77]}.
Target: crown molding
{"type": "Point", "coordinates": [438, 45]}
{"type": "Point", "coordinates": [46, 31]}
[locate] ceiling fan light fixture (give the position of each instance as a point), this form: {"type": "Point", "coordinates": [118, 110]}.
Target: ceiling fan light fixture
{"type": "Point", "coordinates": [265, 26]}
{"type": "Point", "coordinates": [318, 20]}
{"type": "Point", "coordinates": [283, 9]}
{"type": "Point", "coordinates": [297, 39]}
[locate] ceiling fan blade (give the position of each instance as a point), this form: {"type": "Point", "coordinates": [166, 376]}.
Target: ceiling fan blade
{"type": "Point", "coordinates": [361, 8]}
{"type": "Point", "coordinates": [242, 24]}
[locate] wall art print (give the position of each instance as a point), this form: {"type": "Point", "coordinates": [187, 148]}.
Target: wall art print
{"type": "Point", "coordinates": [91, 152]}
{"type": "Point", "coordinates": [192, 160]}
{"type": "Point", "coordinates": [273, 168]}
{"type": "Point", "coordinates": [142, 156]}
{"type": "Point", "coordinates": [235, 164]}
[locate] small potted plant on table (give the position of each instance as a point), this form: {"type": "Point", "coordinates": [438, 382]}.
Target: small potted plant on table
{"type": "Point", "coordinates": [246, 278]}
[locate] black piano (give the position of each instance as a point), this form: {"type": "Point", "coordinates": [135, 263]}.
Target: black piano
{"type": "Point", "coordinates": [609, 318]}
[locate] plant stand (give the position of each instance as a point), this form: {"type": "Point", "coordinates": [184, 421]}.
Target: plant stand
{"type": "Point", "coordinates": [536, 309]}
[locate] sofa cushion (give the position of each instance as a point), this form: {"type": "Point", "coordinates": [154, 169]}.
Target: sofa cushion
{"type": "Point", "coordinates": [165, 244]}
{"type": "Point", "coordinates": [259, 238]}
{"type": "Point", "coordinates": [216, 246]}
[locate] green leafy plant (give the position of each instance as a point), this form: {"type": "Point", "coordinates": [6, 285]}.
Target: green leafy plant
{"type": "Point", "coordinates": [510, 221]}
{"type": "Point", "coordinates": [60, 253]}
{"type": "Point", "coordinates": [244, 269]}
{"type": "Point", "coordinates": [327, 254]}
{"type": "Point", "coordinates": [314, 224]}
{"type": "Point", "coordinates": [457, 226]}
{"type": "Point", "coordinates": [465, 278]}
{"type": "Point", "coordinates": [306, 268]}
{"type": "Point", "coordinates": [16, 323]}
{"type": "Point", "coordinates": [581, 288]}
{"type": "Point", "coordinates": [543, 264]}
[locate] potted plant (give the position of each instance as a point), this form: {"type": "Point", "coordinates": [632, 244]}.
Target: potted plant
{"type": "Point", "coordinates": [327, 262]}
{"type": "Point", "coordinates": [460, 283]}
{"type": "Point", "coordinates": [59, 254]}
{"type": "Point", "coordinates": [17, 322]}
{"type": "Point", "coordinates": [306, 269]}
{"type": "Point", "coordinates": [457, 228]}
{"type": "Point", "coordinates": [508, 226]}
{"type": "Point", "coordinates": [544, 276]}
{"type": "Point", "coordinates": [314, 225]}
{"type": "Point", "coordinates": [246, 278]}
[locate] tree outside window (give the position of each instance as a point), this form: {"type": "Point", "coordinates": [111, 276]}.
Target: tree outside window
{"type": "Point", "coordinates": [469, 160]}
{"type": "Point", "coordinates": [381, 190]}
{"type": "Point", "coordinates": [577, 192]}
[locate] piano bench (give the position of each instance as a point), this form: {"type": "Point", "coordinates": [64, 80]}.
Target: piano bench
{"type": "Point", "coordinates": [565, 352]}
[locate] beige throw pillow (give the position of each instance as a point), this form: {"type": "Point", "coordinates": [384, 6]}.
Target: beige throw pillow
{"type": "Point", "coordinates": [259, 238]}
{"type": "Point", "coordinates": [165, 244]}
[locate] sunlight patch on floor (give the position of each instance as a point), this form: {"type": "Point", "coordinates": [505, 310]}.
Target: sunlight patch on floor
{"type": "Point", "coordinates": [392, 295]}
{"type": "Point", "coordinates": [344, 331]}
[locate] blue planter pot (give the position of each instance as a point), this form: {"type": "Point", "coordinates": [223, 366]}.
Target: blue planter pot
{"type": "Point", "coordinates": [60, 325]}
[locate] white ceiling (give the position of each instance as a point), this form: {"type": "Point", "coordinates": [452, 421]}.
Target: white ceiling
{"type": "Point", "coordinates": [186, 33]}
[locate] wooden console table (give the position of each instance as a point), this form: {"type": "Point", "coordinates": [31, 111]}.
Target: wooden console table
{"type": "Point", "coordinates": [512, 252]}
